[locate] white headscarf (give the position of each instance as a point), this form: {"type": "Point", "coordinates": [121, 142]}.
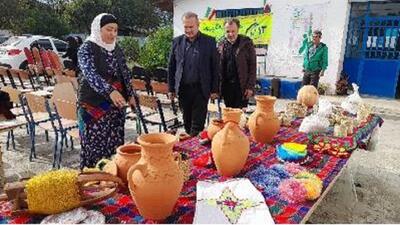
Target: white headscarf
{"type": "Point", "coordinates": [95, 35]}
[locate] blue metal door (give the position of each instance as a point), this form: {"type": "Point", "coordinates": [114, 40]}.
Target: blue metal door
{"type": "Point", "coordinates": [372, 58]}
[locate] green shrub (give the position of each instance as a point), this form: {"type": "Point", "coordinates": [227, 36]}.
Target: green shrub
{"type": "Point", "coordinates": [131, 48]}
{"type": "Point", "coordinates": [156, 50]}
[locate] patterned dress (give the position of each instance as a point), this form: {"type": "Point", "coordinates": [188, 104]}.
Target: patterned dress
{"type": "Point", "coordinates": [101, 127]}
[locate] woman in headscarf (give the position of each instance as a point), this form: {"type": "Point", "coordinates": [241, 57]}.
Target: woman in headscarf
{"type": "Point", "coordinates": [104, 91]}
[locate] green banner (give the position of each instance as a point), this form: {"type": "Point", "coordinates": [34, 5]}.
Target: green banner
{"type": "Point", "coordinates": [257, 27]}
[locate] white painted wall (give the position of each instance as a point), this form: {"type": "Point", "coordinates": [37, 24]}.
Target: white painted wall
{"type": "Point", "coordinates": [280, 60]}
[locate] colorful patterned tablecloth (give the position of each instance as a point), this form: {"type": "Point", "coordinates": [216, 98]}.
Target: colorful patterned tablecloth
{"type": "Point", "coordinates": [121, 208]}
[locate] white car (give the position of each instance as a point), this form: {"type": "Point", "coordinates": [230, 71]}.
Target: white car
{"type": "Point", "coordinates": [12, 51]}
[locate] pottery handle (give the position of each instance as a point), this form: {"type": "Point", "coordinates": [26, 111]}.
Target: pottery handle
{"type": "Point", "coordinates": [225, 131]}
{"type": "Point", "coordinates": [142, 168]}
{"type": "Point", "coordinates": [177, 157]}
{"type": "Point", "coordinates": [258, 115]}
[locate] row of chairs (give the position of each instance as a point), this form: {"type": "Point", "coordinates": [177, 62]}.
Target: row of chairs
{"type": "Point", "coordinates": [56, 115]}
{"type": "Point", "coordinates": [46, 64]}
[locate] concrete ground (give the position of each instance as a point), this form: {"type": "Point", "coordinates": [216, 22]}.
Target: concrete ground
{"type": "Point", "coordinates": [366, 192]}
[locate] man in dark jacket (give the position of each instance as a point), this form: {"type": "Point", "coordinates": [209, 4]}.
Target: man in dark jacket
{"type": "Point", "coordinates": [237, 66]}
{"type": "Point", "coordinates": [193, 73]}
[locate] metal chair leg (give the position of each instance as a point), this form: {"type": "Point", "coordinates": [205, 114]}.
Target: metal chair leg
{"type": "Point", "coordinates": [55, 150]}
{"type": "Point", "coordinates": [72, 142]}
{"type": "Point", "coordinates": [47, 135]}
{"type": "Point", "coordinates": [8, 140]}
{"type": "Point", "coordinates": [65, 139]}
{"type": "Point", "coordinates": [63, 136]}
{"type": "Point", "coordinates": [13, 139]}
{"type": "Point", "coordinates": [32, 134]}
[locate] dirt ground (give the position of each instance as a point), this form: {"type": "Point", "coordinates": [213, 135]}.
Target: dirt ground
{"type": "Point", "coordinates": [366, 192]}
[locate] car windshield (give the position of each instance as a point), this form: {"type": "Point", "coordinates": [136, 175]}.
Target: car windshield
{"type": "Point", "coordinates": [13, 41]}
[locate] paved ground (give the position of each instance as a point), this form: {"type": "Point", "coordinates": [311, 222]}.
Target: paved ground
{"type": "Point", "coordinates": [375, 175]}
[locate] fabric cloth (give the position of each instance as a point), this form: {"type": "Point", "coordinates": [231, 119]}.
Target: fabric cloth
{"type": "Point", "coordinates": [121, 207]}
{"type": "Point", "coordinates": [95, 33]}
{"type": "Point", "coordinates": [194, 108]}
{"type": "Point", "coordinates": [106, 19]}
{"type": "Point", "coordinates": [190, 69]}
{"type": "Point", "coordinates": [234, 201]}
{"type": "Point", "coordinates": [207, 64]}
{"type": "Point", "coordinates": [246, 62]}
{"type": "Point", "coordinates": [311, 78]}
{"type": "Point", "coordinates": [315, 58]}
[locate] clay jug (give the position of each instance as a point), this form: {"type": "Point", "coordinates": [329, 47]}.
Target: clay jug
{"type": "Point", "coordinates": [263, 122]}
{"type": "Point", "coordinates": [215, 126]}
{"type": "Point", "coordinates": [230, 146]}
{"type": "Point", "coordinates": [127, 155]}
{"type": "Point", "coordinates": [156, 180]}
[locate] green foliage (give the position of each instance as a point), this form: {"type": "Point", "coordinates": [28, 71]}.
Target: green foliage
{"type": "Point", "coordinates": [131, 48]}
{"type": "Point", "coordinates": [82, 12]}
{"type": "Point", "coordinates": [60, 17]}
{"type": "Point", "coordinates": [33, 18]}
{"type": "Point", "coordinates": [156, 50]}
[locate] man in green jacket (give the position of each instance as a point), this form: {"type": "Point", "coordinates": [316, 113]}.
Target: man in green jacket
{"type": "Point", "coordinates": [315, 59]}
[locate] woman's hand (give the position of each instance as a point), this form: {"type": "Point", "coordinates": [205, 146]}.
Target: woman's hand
{"type": "Point", "coordinates": [117, 99]}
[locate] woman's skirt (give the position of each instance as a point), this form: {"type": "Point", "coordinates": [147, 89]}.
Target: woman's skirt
{"type": "Point", "coordinates": [100, 138]}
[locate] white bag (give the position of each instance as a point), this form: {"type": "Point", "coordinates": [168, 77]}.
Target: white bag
{"type": "Point", "coordinates": [350, 104]}
{"type": "Point", "coordinates": [324, 108]}
{"type": "Point", "coordinates": [314, 123]}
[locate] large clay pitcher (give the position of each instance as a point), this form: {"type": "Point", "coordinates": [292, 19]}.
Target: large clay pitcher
{"type": "Point", "coordinates": [156, 181]}
{"type": "Point", "coordinates": [230, 146]}
{"type": "Point", "coordinates": [127, 155]}
{"type": "Point", "coordinates": [263, 122]}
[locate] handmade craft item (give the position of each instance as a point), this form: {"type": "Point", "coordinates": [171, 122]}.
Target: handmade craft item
{"type": "Point", "coordinates": [230, 146]}
{"type": "Point", "coordinates": [127, 155]}
{"type": "Point", "coordinates": [59, 191]}
{"type": "Point", "coordinates": [234, 201]}
{"type": "Point", "coordinates": [291, 152]}
{"type": "Point", "coordinates": [76, 216]}
{"type": "Point", "coordinates": [295, 109]}
{"type": "Point", "coordinates": [156, 180]}
{"type": "Point", "coordinates": [308, 95]}
{"type": "Point", "coordinates": [263, 122]}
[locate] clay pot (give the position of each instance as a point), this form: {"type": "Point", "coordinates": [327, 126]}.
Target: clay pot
{"type": "Point", "coordinates": [127, 155]}
{"type": "Point", "coordinates": [308, 95]}
{"type": "Point", "coordinates": [156, 180]}
{"type": "Point", "coordinates": [230, 146]}
{"type": "Point", "coordinates": [264, 123]}
{"type": "Point", "coordinates": [231, 115]}
{"type": "Point", "coordinates": [215, 126]}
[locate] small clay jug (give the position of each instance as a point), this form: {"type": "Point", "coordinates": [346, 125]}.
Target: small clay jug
{"type": "Point", "coordinates": [263, 122]}
{"type": "Point", "coordinates": [215, 126]}
{"type": "Point", "coordinates": [127, 155]}
{"type": "Point", "coordinates": [156, 180]}
{"type": "Point", "coordinates": [230, 146]}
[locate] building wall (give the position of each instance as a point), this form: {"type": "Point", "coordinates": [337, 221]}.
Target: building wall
{"type": "Point", "coordinates": [290, 19]}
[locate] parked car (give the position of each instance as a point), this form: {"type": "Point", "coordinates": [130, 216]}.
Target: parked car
{"type": "Point", "coordinates": [12, 51]}
{"type": "Point", "coordinates": [3, 38]}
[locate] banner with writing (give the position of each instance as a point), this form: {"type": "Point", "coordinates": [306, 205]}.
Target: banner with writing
{"type": "Point", "coordinates": [257, 27]}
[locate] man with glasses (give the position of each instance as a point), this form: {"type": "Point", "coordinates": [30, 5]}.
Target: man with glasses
{"type": "Point", "coordinates": [315, 59]}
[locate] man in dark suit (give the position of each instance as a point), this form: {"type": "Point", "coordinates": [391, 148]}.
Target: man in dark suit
{"type": "Point", "coordinates": [193, 73]}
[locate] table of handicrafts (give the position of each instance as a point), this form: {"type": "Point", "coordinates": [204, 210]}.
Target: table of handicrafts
{"type": "Point", "coordinates": [121, 208]}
